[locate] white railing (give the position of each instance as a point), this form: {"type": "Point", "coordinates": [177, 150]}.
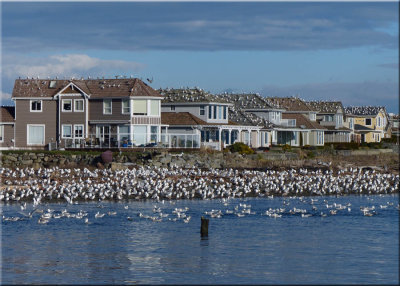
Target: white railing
{"type": "Point", "coordinates": [153, 140]}
{"type": "Point", "coordinates": [336, 138]}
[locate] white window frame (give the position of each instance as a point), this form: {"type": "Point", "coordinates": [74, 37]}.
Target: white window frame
{"type": "Point", "coordinates": [30, 106]}
{"type": "Point", "coordinates": [44, 134]}
{"type": "Point", "coordinates": [62, 105]}
{"type": "Point", "coordinates": [83, 105]}
{"type": "Point", "coordinates": [202, 110]}
{"type": "Point", "coordinates": [62, 131]}
{"type": "Point", "coordinates": [83, 130]}
{"type": "Point", "coordinates": [104, 108]}
{"type": "Point", "coordinates": [128, 107]}
{"type": "Point", "coordinates": [1, 133]}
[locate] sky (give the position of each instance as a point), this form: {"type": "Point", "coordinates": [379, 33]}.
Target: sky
{"type": "Point", "coordinates": [345, 51]}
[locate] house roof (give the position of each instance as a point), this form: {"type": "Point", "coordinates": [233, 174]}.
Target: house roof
{"type": "Point", "coordinates": [7, 113]}
{"type": "Point", "coordinates": [186, 118]}
{"type": "Point", "coordinates": [359, 127]}
{"type": "Point", "coordinates": [95, 88]}
{"type": "Point", "coordinates": [242, 117]}
{"type": "Point", "coordinates": [188, 95]}
{"type": "Point", "coordinates": [180, 118]}
{"type": "Point", "coordinates": [325, 106]}
{"type": "Point", "coordinates": [290, 104]}
{"type": "Point", "coordinates": [302, 120]}
{"type": "Point", "coordinates": [364, 110]}
{"type": "Point", "coordinates": [248, 100]}
{"type": "Point", "coordinates": [333, 128]}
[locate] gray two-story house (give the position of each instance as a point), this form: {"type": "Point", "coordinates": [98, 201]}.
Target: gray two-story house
{"type": "Point", "coordinates": [86, 113]}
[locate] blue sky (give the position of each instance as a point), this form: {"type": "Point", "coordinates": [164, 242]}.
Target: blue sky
{"type": "Point", "coordinates": [323, 51]}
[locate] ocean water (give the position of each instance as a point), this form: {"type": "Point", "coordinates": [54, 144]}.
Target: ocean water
{"type": "Point", "coordinates": [251, 249]}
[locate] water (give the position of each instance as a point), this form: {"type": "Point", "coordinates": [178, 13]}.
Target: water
{"type": "Point", "coordinates": [254, 249]}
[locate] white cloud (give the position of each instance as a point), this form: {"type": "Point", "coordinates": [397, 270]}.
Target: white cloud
{"type": "Point", "coordinates": [65, 66]}
{"type": "Point", "coordinates": [4, 96]}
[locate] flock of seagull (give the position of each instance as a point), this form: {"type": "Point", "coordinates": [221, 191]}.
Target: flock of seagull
{"type": "Point", "coordinates": [73, 185]}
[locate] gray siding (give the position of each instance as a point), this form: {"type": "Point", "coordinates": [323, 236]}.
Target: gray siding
{"type": "Point", "coordinates": [47, 117]}
{"type": "Point", "coordinates": [7, 136]}
{"type": "Point", "coordinates": [96, 111]}
{"type": "Point", "coordinates": [72, 117]}
{"type": "Point", "coordinates": [195, 110]}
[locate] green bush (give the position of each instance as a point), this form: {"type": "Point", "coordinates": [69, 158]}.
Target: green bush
{"type": "Point", "coordinates": [241, 148]}
{"type": "Point", "coordinates": [286, 148]}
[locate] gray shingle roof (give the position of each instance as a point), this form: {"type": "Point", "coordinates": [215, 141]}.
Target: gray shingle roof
{"type": "Point", "coordinates": [364, 110]}
{"type": "Point", "coordinates": [248, 100]}
{"type": "Point", "coordinates": [188, 95]}
{"type": "Point", "coordinates": [96, 88]}
{"type": "Point", "coordinates": [325, 106]}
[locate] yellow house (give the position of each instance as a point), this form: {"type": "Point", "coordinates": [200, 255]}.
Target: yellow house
{"type": "Point", "coordinates": [371, 122]}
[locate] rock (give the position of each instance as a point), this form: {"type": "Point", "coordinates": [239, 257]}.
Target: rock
{"type": "Point", "coordinates": [26, 162]}
{"type": "Point", "coordinates": [10, 158]}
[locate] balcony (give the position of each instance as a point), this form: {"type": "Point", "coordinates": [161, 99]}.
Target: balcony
{"type": "Point", "coordinates": [153, 140]}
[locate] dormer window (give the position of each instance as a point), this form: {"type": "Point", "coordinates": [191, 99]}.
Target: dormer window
{"type": "Point", "coordinates": [36, 106]}
{"type": "Point", "coordinates": [52, 84]}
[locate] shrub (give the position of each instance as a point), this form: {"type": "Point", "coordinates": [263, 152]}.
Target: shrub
{"type": "Point", "coordinates": [286, 148]}
{"type": "Point", "coordinates": [241, 148]}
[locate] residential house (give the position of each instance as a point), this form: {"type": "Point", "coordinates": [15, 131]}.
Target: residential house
{"type": "Point", "coordinates": [86, 113]}
{"type": "Point", "coordinates": [7, 124]}
{"type": "Point", "coordinates": [209, 117]}
{"type": "Point", "coordinates": [370, 122]}
{"type": "Point", "coordinates": [394, 124]}
{"type": "Point", "coordinates": [302, 119]}
{"type": "Point", "coordinates": [331, 115]}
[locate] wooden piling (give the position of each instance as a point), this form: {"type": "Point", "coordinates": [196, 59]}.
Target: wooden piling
{"type": "Point", "coordinates": [204, 226]}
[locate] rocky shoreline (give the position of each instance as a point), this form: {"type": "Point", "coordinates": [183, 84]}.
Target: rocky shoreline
{"type": "Point", "coordinates": [200, 159]}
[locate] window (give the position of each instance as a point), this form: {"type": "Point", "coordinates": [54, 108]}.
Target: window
{"type": "Point", "coordinates": [140, 107]}
{"type": "Point", "coordinates": [36, 106]}
{"type": "Point", "coordinates": [202, 110]}
{"type": "Point", "coordinates": [291, 122]}
{"type": "Point", "coordinates": [125, 106]}
{"type": "Point", "coordinates": [272, 115]}
{"type": "Point", "coordinates": [172, 108]}
{"type": "Point", "coordinates": [313, 116]}
{"type": "Point", "coordinates": [219, 112]}
{"type": "Point", "coordinates": [320, 137]}
{"type": "Point", "coordinates": [123, 134]}
{"type": "Point", "coordinates": [379, 121]}
{"type": "Point", "coordinates": [154, 108]}
{"type": "Point", "coordinates": [67, 105]}
{"type": "Point", "coordinates": [328, 118]}
{"type": "Point", "coordinates": [215, 112]}
{"type": "Point", "coordinates": [153, 134]}
{"type": "Point", "coordinates": [225, 117]}
{"type": "Point", "coordinates": [35, 134]}
{"type": "Point", "coordinates": [66, 131]}
{"type": "Point", "coordinates": [351, 123]}
{"type": "Point", "coordinates": [368, 121]}
{"type": "Point", "coordinates": [52, 84]}
{"type": "Point", "coordinates": [339, 120]}
{"type": "Point", "coordinates": [209, 112]}
{"type": "Point", "coordinates": [78, 105]}
{"type": "Point", "coordinates": [1, 133]}
{"type": "Point", "coordinates": [107, 106]}
{"type": "Point", "coordinates": [78, 131]}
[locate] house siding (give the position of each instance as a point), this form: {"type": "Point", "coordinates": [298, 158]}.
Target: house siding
{"type": "Point", "coordinates": [47, 117]}
{"type": "Point", "coordinates": [7, 136]}
{"type": "Point", "coordinates": [96, 111]}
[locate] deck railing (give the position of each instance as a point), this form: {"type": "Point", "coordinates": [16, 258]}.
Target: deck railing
{"type": "Point", "coordinates": [137, 140]}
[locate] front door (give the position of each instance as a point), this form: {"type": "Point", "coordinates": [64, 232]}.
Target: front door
{"type": "Point", "coordinates": [103, 134]}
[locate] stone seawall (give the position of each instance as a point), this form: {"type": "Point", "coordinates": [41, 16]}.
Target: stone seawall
{"type": "Point", "coordinates": [198, 159]}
